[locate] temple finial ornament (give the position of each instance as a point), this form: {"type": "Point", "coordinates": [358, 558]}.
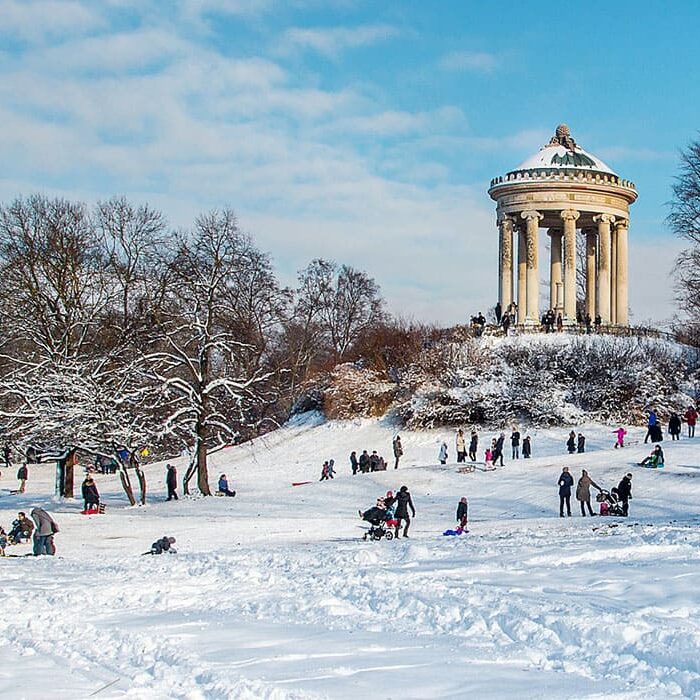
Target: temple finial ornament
{"type": "Point", "coordinates": [562, 137]}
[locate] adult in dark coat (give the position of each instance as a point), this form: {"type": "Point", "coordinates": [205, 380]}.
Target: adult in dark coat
{"type": "Point", "coordinates": [404, 502]}
{"type": "Point", "coordinates": [571, 443]}
{"type": "Point", "coordinates": [527, 447]}
{"type": "Point", "coordinates": [398, 451]}
{"type": "Point", "coordinates": [651, 425]}
{"type": "Point", "coordinates": [581, 444]}
{"type": "Point", "coordinates": [624, 493]}
{"type": "Point", "coordinates": [353, 462]}
{"type": "Point", "coordinates": [566, 481]}
{"type": "Point", "coordinates": [22, 476]}
{"type": "Point", "coordinates": [364, 462]}
{"type": "Point", "coordinates": [473, 445]}
{"type": "Point", "coordinates": [171, 482]}
{"type": "Point", "coordinates": [498, 450]}
{"type": "Point", "coordinates": [46, 528]}
{"type": "Point", "coordinates": [674, 426]}
{"type": "Point", "coordinates": [462, 513]}
{"type": "Point", "coordinates": [515, 443]}
{"type": "Point", "coordinates": [91, 496]}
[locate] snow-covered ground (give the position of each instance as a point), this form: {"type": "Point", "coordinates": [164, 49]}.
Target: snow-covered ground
{"type": "Point", "coordinates": [273, 594]}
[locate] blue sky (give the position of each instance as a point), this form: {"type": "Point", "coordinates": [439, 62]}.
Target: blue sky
{"type": "Point", "coordinates": [365, 132]}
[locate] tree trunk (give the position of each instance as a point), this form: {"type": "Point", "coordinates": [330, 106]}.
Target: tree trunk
{"type": "Point", "coordinates": [202, 471]}
{"type": "Point", "coordinates": [126, 484]}
{"type": "Point", "coordinates": [191, 468]}
{"type": "Point", "coordinates": [142, 484]}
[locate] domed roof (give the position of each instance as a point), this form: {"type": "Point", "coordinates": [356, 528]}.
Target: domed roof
{"type": "Point", "coordinates": [563, 152]}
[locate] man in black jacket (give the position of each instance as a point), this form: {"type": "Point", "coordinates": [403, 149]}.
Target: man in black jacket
{"type": "Point", "coordinates": [498, 452]}
{"type": "Point", "coordinates": [171, 482]}
{"type": "Point", "coordinates": [566, 481]}
{"type": "Point", "coordinates": [404, 502]}
{"type": "Point", "coordinates": [624, 493]}
{"type": "Point", "coordinates": [515, 443]}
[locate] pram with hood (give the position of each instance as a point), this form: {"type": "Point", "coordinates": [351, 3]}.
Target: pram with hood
{"type": "Point", "coordinates": [380, 518]}
{"type": "Point", "coordinates": [610, 503]}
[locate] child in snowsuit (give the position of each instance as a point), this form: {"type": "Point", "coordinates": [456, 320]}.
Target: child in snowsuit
{"type": "Point", "coordinates": [165, 544]}
{"type": "Point", "coordinates": [620, 432]}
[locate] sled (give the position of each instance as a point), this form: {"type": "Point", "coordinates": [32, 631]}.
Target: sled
{"type": "Point", "coordinates": [301, 483]}
{"type": "Point", "coordinates": [468, 469]}
{"type": "Point", "coordinates": [452, 533]}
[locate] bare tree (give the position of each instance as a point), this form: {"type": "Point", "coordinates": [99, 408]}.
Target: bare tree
{"type": "Point", "coordinates": [684, 221]}
{"type": "Point", "coordinates": [338, 303]}
{"type": "Point", "coordinates": [208, 343]}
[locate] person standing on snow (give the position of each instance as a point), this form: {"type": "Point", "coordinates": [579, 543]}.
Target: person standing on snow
{"type": "Point", "coordinates": [22, 475]}
{"type": "Point", "coordinates": [566, 481]}
{"type": "Point", "coordinates": [45, 529]}
{"type": "Point", "coordinates": [442, 455]}
{"type": "Point", "coordinates": [620, 432]}
{"type": "Point", "coordinates": [91, 497]}
{"type": "Point", "coordinates": [691, 418]}
{"type": "Point", "coordinates": [674, 426]}
{"type": "Point", "coordinates": [583, 492]}
{"type": "Point", "coordinates": [515, 443]}
{"type": "Point", "coordinates": [624, 493]}
{"type": "Point", "coordinates": [171, 481]}
{"type": "Point", "coordinates": [473, 445]}
{"type": "Point", "coordinates": [527, 447]}
{"type": "Point", "coordinates": [650, 426]}
{"type": "Point", "coordinates": [580, 444]}
{"type": "Point", "coordinates": [403, 503]}
{"type": "Point", "coordinates": [498, 449]}
{"type": "Point", "coordinates": [398, 451]}
{"type": "Point", "coordinates": [353, 462]}
{"type": "Point", "coordinates": [460, 446]}
{"type": "Point", "coordinates": [571, 443]}
{"type": "Point", "coordinates": [462, 514]}
{"type": "Point", "coordinates": [364, 462]}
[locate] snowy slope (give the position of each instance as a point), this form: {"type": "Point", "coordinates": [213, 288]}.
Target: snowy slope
{"type": "Point", "coordinates": [274, 594]}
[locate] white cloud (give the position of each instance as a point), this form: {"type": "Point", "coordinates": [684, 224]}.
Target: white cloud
{"type": "Point", "coordinates": [477, 61]}
{"type": "Point", "coordinates": [36, 20]}
{"type": "Point", "coordinates": [330, 41]}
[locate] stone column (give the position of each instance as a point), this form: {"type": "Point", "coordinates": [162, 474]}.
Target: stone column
{"type": "Point", "coordinates": [522, 273]}
{"type": "Point", "coordinates": [604, 221]}
{"type": "Point", "coordinates": [590, 272]}
{"type": "Point", "coordinates": [570, 217]}
{"type": "Point", "coordinates": [532, 218]}
{"type": "Point", "coordinates": [622, 304]}
{"type": "Point", "coordinates": [505, 268]}
{"type": "Point", "coordinates": [613, 276]}
{"type": "Point", "coordinates": [555, 279]}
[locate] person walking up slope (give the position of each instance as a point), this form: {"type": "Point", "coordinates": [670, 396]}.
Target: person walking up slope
{"type": "Point", "coordinates": [403, 503]}
{"type": "Point", "coordinates": [566, 481]}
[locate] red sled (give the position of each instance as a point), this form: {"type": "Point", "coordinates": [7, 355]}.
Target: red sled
{"type": "Point", "coordinates": [301, 483]}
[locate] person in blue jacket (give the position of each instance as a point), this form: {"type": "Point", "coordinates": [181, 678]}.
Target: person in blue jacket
{"type": "Point", "coordinates": [650, 425]}
{"type": "Point", "coordinates": [223, 486]}
{"type": "Point", "coordinates": [566, 481]}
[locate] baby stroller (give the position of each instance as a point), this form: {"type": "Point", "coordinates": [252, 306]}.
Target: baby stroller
{"type": "Point", "coordinates": [380, 521]}
{"type": "Point", "coordinates": [609, 503]}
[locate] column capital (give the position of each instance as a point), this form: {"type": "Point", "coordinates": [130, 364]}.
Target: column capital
{"type": "Point", "coordinates": [530, 214]}
{"type": "Point", "coordinates": [505, 219]}
{"type": "Point", "coordinates": [622, 223]}
{"type": "Point", "coordinates": [569, 214]}
{"type": "Point", "coordinates": [604, 219]}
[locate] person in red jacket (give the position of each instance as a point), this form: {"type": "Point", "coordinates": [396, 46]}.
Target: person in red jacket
{"type": "Point", "coordinates": [691, 418]}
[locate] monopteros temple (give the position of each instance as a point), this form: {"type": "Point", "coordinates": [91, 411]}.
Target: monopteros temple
{"type": "Point", "coordinates": [564, 189]}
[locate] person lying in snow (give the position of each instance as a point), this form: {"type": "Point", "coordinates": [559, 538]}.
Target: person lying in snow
{"type": "Point", "coordinates": [165, 544]}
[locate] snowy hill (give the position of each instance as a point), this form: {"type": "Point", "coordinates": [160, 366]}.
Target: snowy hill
{"type": "Point", "coordinates": [273, 594]}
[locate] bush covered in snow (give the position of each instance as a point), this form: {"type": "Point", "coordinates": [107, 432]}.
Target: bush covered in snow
{"type": "Point", "coordinates": [536, 379]}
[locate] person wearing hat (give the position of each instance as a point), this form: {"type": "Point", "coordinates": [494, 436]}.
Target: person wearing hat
{"type": "Point", "coordinates": [624, 492]}
{"type": "Point", "coordinates": [566, 481]}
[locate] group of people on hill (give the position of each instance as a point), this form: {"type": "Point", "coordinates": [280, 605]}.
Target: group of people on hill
{"type": "Point", "coordinates": [623, 492]}
{"type": "Point", "coordinates": [374, 462]}
{"type": "Point", "coordinates": [493, 454]}
{"type": "Point", "coordinates": [576, 445]}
